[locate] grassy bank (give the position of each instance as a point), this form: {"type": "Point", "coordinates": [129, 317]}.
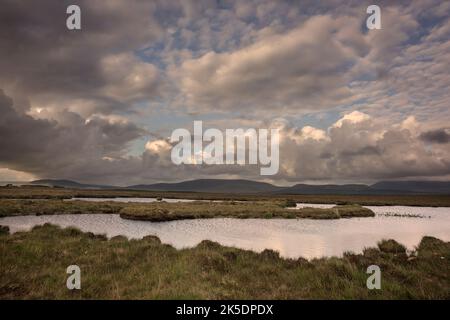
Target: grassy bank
{"type": "Point", "coordinates": [376, 200]}
{"type": "Point", "coordinates": [35, 192]}
{"type": "Point", "coordinates": [196, 210]}
{"type": "Point", "coordinates": [163, 211]}
{"type": "Point", "coordinates": [33, 266]}
{"type": "Point", "coordinates": [50, 207]}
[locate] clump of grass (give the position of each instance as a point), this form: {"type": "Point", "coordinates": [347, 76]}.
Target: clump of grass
{"type": "Point", "coordinates": [152, 239]}
{"type": "Point", "coordinates": [119, 238]}
{"type": "Point", "coordinates": [391, 246]}
{"type": "Point", "coordinates": [4, 230]}
{"type": "Point", "coordinates": [34, 267]}
{"type": "Point", "coordinates": [290, 203]}
{"type": "Point", "coordinates": [433, 246]}
{"type": "Point", "coordinates": [354, 210]}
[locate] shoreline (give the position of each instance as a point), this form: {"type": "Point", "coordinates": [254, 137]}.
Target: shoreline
{"type": "Point", "coordinates": [119, 268]}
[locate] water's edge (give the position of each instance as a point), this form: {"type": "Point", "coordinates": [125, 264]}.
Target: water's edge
{"type": "Point", "coordinates": [291, 237]}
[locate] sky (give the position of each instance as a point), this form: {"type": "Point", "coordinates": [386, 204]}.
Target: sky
{"type": "Point", "coordinates": [98, 105]}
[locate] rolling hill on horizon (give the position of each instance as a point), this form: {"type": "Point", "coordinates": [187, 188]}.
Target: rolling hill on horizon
{"type": "Point", "coordinates": [252, 187]}
{"type": "Point", "coordinates": [69, 184]}
{"type": "Point", "coordinates": [213, 185]}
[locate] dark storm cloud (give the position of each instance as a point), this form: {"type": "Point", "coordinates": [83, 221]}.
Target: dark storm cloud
{"type": "Point", "coordinates": [46, 148]}
{"type": "Point", "coordinates": [436, 136]}
{"type": "Point", "coordinates": [21, 136]}
{"type": "Point", "coordinates": [41, 58]}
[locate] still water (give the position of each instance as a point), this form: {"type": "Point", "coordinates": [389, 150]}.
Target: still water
{"type": "Point", "coordinates": [291, 237]}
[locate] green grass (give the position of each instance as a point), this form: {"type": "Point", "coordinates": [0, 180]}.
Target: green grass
{"type": "Point", "coordinates": [50, 207]}
{"type": "Point", "coordinates": [163, 211]}
{"type": "Point", "coordinates": [35, 192]}
{"type": "Point", "coordinates": [268, 209]}
{"type": "Point", "coordinates": [33, 266]}
{"type": "Point", "coordinates": [377, 200]}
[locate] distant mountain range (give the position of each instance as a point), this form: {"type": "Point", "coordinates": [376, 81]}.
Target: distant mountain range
{"type": "Point", "coordinates": [70, 184]}
{"type": "Point", "coordinates": [212, 185]}
{"type": "Point", "coordinates": [248, 186]}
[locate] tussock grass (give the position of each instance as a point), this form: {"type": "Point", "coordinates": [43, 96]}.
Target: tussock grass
{"type": "Point", "coordinates": [50, 207]}
{"type": "Point", "coordinates": [33, 266]}
{"type": "Point", "coordinates": [163, 211]}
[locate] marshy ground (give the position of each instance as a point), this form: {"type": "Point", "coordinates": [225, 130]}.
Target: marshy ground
{"type": "Point", "coordinates": [41, 192]}
{"type": "Point", "coordinates": [33, 266]}
{"type": "Point", "coordinates": [163, 211]}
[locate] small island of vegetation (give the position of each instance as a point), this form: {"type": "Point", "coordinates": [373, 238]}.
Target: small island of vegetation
{"type": "Point", "coordinates": [164, 211]}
